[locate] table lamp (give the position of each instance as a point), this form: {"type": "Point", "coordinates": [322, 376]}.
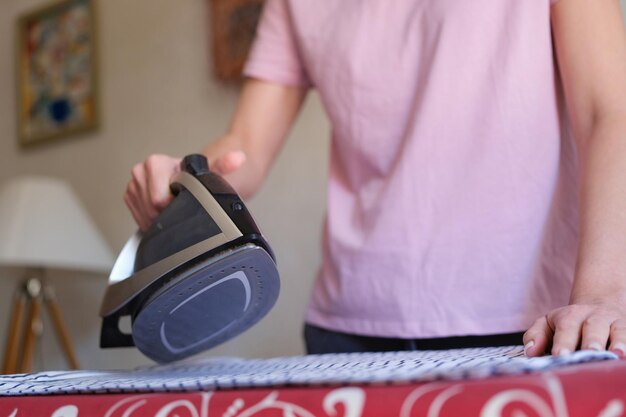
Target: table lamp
{"type": "Point", "coordinates": [43, 225]}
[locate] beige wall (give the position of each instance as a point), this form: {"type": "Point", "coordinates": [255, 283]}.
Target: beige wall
{"type": "Point", "coordinates": [158, 96]}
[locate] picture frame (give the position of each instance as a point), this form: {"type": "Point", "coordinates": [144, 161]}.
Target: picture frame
{"type": "Point", "coordinates": [233, 24]}
{"type": "Point", "coordinates": [57, 83]}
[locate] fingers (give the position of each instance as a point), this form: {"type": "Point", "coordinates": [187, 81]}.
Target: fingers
{"type": "Point", "coordinates": [140, 179]}
{"type": "Point", "coordinates": [133, 204]}
{"type": "Point", "coordinates": [595, 332]}
{"type": "Point", "coordinates": [134, 198]}
{"type": "Point", "coordinates": [590, 326]}
{"type": "Point", "coordinates": [159, 171]}
{"type": "Point", "coordinates": [229, 162]}
{"type": "Point", "coordinates": [618, 338]}
{"type": "Point", "coordinates": [148, 190]}
{"type": "Point", "coordinates": [567, 325]}
{"type": "Point", "coordinates": [538, 338]}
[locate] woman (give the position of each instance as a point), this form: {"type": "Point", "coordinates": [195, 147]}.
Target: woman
{"type": "Point", "coordinates": [454, 214]}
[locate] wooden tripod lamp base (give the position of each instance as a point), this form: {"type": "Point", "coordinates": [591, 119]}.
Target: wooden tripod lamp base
{"type": "Point", "coordinates": [22, 335]}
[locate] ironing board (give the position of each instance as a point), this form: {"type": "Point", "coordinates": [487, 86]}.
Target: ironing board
{"type": "Point", "coordinates": [574, 389]}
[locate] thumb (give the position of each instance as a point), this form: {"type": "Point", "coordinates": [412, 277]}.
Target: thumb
{"type": "Point", "coordinates": [229, 162]}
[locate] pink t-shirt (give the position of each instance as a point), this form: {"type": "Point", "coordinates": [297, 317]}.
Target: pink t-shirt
{"type": "Point", "coordinates": [452, 202]}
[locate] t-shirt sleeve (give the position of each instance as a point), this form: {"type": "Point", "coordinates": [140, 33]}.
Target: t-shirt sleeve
{"type": "Point", "coordinates": [275, 55]}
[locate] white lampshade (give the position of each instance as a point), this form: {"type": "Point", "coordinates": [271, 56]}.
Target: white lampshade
{"type": "Point", "coordinates": [44, 225]}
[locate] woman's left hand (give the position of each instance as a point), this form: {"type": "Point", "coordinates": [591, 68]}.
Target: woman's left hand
{"type": "Point", "coordinates": [590, 44]}
{"type": "Point", "coordinates": [585, 324]}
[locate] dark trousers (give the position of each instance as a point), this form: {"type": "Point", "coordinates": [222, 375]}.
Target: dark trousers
{"type": "Point", "coordinates": [320, 340]}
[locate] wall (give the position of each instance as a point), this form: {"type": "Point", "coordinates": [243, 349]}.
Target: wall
{"type": "Point", "coordinates": [158, 96]}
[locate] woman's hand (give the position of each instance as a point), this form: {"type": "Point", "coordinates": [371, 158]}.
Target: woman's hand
{"type": "Point", "coordinates": [586, 324]}
{"type": "Point", "coordinates": [590, 43]}
{"type": "Point", "coordinates": [148, 191]}
{"type": "Point", "coordinates": [264, 115]}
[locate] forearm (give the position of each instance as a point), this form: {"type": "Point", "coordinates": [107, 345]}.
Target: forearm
{"type": "Point", "coordinates": [590, 44]}
{"type": "Point", "coordinates": [601, 266]}
{"type": "Point", "coordinates": [261, 122]}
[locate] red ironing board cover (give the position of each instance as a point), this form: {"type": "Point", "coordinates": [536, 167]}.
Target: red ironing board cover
{"type": "Point", "coordinates": [593, 389]}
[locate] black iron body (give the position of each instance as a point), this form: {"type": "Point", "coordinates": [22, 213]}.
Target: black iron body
{"type": "Point", "coordinates": [207, 299]}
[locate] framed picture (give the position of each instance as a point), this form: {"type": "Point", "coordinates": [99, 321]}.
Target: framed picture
{"type": "Point", "coordinates": [234, 25]}
{"type": "Point", "coordinates": [57, 94]}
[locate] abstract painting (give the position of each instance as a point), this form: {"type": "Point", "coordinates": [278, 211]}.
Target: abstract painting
{"type": "Point", "coordinates": [56, 86]}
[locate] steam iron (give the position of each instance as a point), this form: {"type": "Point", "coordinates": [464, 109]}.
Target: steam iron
{"type": "Point", "coordinates": [201, 275]}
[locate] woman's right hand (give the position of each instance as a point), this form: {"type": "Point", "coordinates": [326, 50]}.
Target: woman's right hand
{"type": "Point", "coordinates": [264, 114]}
{"type": "Point", "coordinates": [148, 191]}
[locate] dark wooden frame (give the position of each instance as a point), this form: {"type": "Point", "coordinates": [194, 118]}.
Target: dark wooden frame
{"type": "Point", "coordinates": [233, 24]}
